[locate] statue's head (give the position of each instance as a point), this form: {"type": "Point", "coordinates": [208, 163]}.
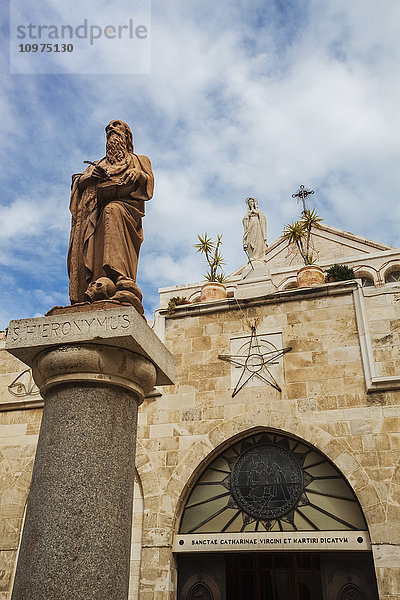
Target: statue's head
{"type": "Point", "coordinates": [251, 203]}
{"type": "Point", "coordinates": [118, 129]}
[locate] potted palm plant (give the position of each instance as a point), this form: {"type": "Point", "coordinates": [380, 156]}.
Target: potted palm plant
{"type": "Point", "coordinates": [214, 288]}
{"type": "Point", "coordinates": [299, 235]}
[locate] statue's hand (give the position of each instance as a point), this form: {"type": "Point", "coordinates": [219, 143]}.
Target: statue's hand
{"type": "Point", "coordinates": [98, 173]}
{"type": "Point", "coordinates": [86, 179]}
{"type": "Point", "coordinates": [131, 176]}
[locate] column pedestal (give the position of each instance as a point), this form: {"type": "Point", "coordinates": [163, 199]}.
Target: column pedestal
{"type": "Point", "coordinates": [76, 538]}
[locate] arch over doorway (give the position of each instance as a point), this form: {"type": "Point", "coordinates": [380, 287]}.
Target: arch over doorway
{"type": "Point", "coordinates": [270, 481]}
{"type": "Point", "coordinates": [260, 518]}
{"type": "Point", "coordinates": [202, 451]}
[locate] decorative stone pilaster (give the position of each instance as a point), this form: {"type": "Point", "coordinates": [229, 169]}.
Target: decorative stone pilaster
{"type": "Point", "coordinates": [76, 538]}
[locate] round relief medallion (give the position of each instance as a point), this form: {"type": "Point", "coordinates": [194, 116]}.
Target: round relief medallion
{"type": "Point", "coordinates": [266, 481]}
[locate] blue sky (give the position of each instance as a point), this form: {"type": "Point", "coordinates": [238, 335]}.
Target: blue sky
{"type": "Point", "coordinates": [245, 98]}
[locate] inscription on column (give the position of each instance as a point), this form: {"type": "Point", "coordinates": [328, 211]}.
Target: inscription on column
{"type": "Point", "coordinates": [63, 328]}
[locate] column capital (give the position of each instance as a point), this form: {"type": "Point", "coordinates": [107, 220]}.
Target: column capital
{"type": "Point", "coordinates": [94, 363]}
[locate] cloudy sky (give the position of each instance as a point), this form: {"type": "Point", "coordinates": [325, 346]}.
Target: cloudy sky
{"type": "Point", "coordinates": [241, 98]}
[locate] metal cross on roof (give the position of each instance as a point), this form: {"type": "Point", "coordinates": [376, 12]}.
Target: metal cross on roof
{"type": "Point", "coordinates": [302, 194]}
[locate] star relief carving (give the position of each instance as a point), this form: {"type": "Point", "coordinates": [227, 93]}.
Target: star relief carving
{"type": "Point", "coordinates": [256, 362]}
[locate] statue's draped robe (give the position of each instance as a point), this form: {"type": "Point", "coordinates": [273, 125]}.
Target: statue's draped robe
{"type": "Point", "coordinates": [106, 229]}
{"type": "Point", "coordinates": [255, 233]}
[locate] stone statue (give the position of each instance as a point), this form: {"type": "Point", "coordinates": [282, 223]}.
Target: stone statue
{"type": "Point", "coordinates": [255, 231]}
{"type": "Point", "coordinates": [107, 206]}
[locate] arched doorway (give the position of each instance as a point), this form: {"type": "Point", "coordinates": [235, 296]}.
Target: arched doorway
{"type": "Point", "coordinates": [271, 518]}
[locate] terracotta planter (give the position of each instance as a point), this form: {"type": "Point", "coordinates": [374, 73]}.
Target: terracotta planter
{"type": "Point", "coordinates": [310, 275]}
{"type": "Point", "coordinates": [212, 290]}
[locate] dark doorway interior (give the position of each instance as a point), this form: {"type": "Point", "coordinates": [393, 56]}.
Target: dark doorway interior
{"type": "Point", "coordinates": [277, 576]}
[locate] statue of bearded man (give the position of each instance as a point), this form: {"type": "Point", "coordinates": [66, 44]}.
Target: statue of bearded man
{"type": "Point", "coordinates": [107, 207]}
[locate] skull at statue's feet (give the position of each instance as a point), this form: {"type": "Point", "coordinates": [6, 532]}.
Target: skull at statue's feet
{"type": "Point", "coordinates": [101, 289]}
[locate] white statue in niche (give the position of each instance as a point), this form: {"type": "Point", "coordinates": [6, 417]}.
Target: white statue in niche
{"type": "Point", "coordinates": [255, 231]}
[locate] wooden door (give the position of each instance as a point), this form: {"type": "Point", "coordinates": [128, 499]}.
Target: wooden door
{"type": "Point", "coordinates": [273, 576]}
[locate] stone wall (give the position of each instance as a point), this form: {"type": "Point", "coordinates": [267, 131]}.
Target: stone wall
{"type": "Point", "coordinates": [18, 434]}
{"type": "Point", "coordinates": [323, 401]}
{"type": "Point", "coordinates": [383, 314]}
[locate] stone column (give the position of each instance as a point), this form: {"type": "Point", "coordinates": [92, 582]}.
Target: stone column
{"type": "Point", "coordinates": [76, 538]}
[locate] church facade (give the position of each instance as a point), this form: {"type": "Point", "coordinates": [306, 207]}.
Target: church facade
{"type": "Point", "coordinates": [271, 468]}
